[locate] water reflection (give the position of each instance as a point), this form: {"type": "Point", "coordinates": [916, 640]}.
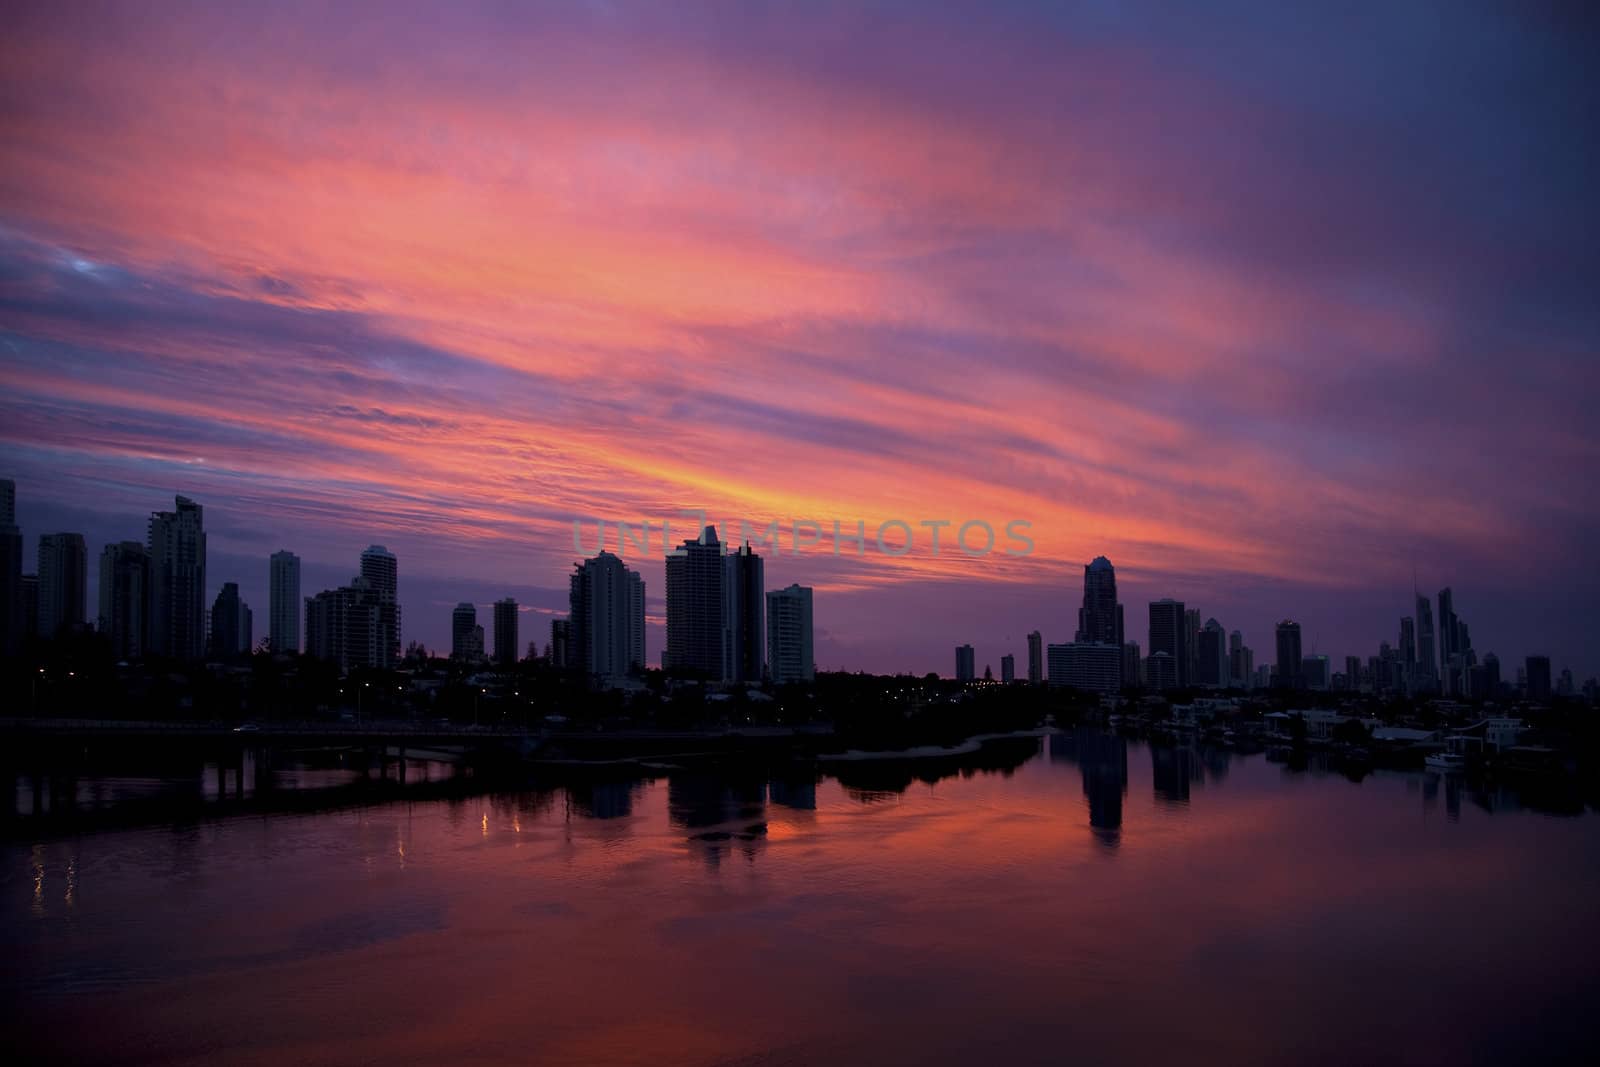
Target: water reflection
{"type": "Point", "coordinates": [1103, 758]}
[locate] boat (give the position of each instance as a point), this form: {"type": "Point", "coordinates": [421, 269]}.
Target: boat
{"type": "Point", "coordinates": [1445, 762]}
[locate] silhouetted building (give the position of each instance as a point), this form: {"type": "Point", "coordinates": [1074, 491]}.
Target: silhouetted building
{"type": "Point", "coordinates": [30, 605]}
{"type": "Point", "coordinates": [1212, 658]}
{"type": "Point", "coordinates": [1427, 664]}
{"type": "Point", "coordinates": [283, 582]}
{"type": "Point", "coordinates": [744, 642]}
{"type": "Point", "coordinates": [462, 620]}
{"type": "Point", "coordinates": [1538, 671]}
{"type": "Point", "coordinates": [1008, 668]}
{"type": "Point", "coordinates": [1167, 636]}
{"type": "Point", "coordinates": [789, 635]}
{"type": "Point", "coordinates": [1090, 666]}
{"type": "Point", "coordinates": [63, 582]}
{"type": "Point", "coordinates": [1100, 617]}
{"type": "Point", "coordinates": [1315, 672]}
{"type": "Point", "coordinates": [1289, 659]}
{"type": "Point", "coordinates": [1035, 658]}
{"type": "Point", "coordinates": [177, 546]}
{"type": "Point", "coordinates": [1408, 651]}
{"type": "Point", "coordinates": [694, 606]}
{"type": "Point", "coordinates": [124, 597]}
{"type": "Point", "coordinates": [1241, 661]}
{"type": "Point", "coordinates": [231, 623]}
{"type": "Point", "coordinates": [606, 602]}
{"type": "Point", "coordinates": [1132, 665]}
{"type": "Point", "coordinates": [1190, 664]}
{"type": "Point", "coordinates": [381, 571]}
{"type": "Point", "coordinates": [1161, 672]}
{"type": "Point", "coordinates": [966, 664]}
{"type": "Point", "coordinates": [505, 632]}
{"type": "Point", "coordinates": [561, 643]}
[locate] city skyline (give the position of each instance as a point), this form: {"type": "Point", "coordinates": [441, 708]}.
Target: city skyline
{"type": "Point", "coordinates": [1271, 339]}
{"type": "Point", "coordinates": [1196, 655]}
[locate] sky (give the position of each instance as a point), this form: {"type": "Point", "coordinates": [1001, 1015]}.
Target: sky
{"type": "Point", "coordinates": [1282, 311]}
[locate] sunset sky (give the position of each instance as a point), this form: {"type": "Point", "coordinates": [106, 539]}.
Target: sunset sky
{"type": "Point", "coordinates": [1273, 309]}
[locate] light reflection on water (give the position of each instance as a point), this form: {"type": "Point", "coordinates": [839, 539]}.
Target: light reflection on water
{"type": "Point", "coordinates": [1075, 897]}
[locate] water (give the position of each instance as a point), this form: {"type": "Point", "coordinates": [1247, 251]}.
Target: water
{"type": "Point", "coordinates": [1082, 899]}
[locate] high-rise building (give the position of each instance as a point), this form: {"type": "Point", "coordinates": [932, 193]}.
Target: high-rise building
{"type": "Point", "coordinates": [124, 598]}
{"type": "Point", "coordinates": [1167, 635]}
{"type": "Point", "coordinates": [63, 582]}
{"type": "Point", "coordinates": [966, 664]}
{"type": "Point", "coordinates": [283, 586]}
{"type": "Point", "coordinates": [231, 623]}
{"type": "Point", "coordinates": [561, 643]}
{"type": "Point", "coordinates": [1241, 662]}
{"type": "Point", "coordinates": [1427, 664]}
{"type": "Point", "coordinates": [1491, 675]}
{"type": "Point", "coordinates": [606, 600]}
{"type": "Point", "coordinates": [1448, 634]}
{"type": "Point", "coordinates": [1211, 660]}
{"type": "Point", "coordinates": [381, 570]}
{"type": "Point", "coordinates": [1132, 666]}
{"type": "Point", "coordinates": [505, 632]}
{"type": "Point", "coordinates": [789, 650]}
{"type": "Point", "coordinates": [744, 643]}
{"type": "Point", "coordinates": [1008, 669]}
{"type": "Point", "coordinates": [1161, 671]}
{"type": "Point", "coordinates": [1538, 671]}
{"type": "Point", "coordinates": [1289, 659]}
{"type": "Point", "coordinates": [694, 606]}
{"type": "Point", "coordinates": [1408, 650]}
{"type": "Point", "coordinates": [177, 547]}
{"type": "Point", "coordinates": [1352, 673]}
{"type": "Point", "coordinates": [1316, 673]}
{"type": "Point", "coordinates": [462, 620]}
{"type": "Point", "coordinates": [1035, 658]}
{"type": "Point", "coordinates": [11, 622]}
{"type": "Point", "coordinates": [1087, 665]}
{"type": "Point", "coordinates": [1190, 664]}
{"type": "Point", "coordinates": [1099, 617]}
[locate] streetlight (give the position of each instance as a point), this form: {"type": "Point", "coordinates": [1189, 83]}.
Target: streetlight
{"type": "Point", "coordinates": [359, 694]}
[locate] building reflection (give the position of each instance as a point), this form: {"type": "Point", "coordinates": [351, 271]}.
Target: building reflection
{"type": "Point", "coordinates": [1103, 760]}
{"type": "Point", "coordinates": [721, 811]}
{"type": "Point", "coordinates": [1172, 771]}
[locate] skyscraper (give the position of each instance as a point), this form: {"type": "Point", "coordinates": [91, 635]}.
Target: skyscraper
{"type": "Point", "coordinates": [283, 585]}
{"type": "Point", "coordinates": [694, 606]}
{"type": "Point", "coordinates": [1098, 618]}
{"type": "Point", "coordinates": [1448, 634]}
{"type": "Point", "coordinates": [1091, 666]}
{"type": "Point", "coordinates": [124, 598]}
{"type": "Point", "coordinates": [789, 649]}
{"type": "Point", "coordinates": [381, 570]}
{"type": "Point", "coordinates": [462, 621]}
{"type": "Point", "coordinates": [1008, 668]}
{"type": "Point", "coordinates": [1212, 658]}
{"type": "Point", "coordinates": [12, 625]}
{"type": "Point", "coordinates": [1035, 658]}
{"type": "Point", "coordinates": [1427, 664]}
{"type": "Point", "coordinates": [966, 666]}
{"type": "Point", "coordinates": [1161, 671]}
{"type": "Point", "coordinates": [561, 643]}
{"type": "Point", "coordinates": [1189, 662]}
{"type": "Point", "coordinates": [177, 548]}
{"type": "Point", "coordinates": [505, 632]}
{"type": "Point", "coordinates": [606, 601]}
{"type": "Point", "coordinates": [63, 582]}
{"type": "Point", "coordinates": [1167, 635]}
{"type": "Point", "coordinates": [231, 629]}
{"type": "Point", "coordinates": [1538, 671]}
{"type": "Point", "coordinates": [744, 644]}
{"type": "Point", "coordinates": [1290, 662]}
{"type": "Point", "coordinates": [1408, 651]}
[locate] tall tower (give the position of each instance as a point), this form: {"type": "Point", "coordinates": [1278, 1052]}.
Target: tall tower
{"type": "Point", "coordinates": [1167, 635]}
{"type": "Point", "coordinates": [124, 598]}
{"type": "Point", "coordinates": [1290, 663]}
{"type": "Point", "coordinates": [743, 608]}
{"type": "Point", "coordinates": [1035, 658]}
{"type": "Point", "coordinates": [606, 632]}
{"type": "Point", "coordinates": [1098, 619]}
{"type": "Point", "coordinates": [463, 620]}
{"type": "Point", "coordinates": [177, 548]}
{"type": "Point", "coordinates": [694, 606]}
{"type": "Point", "coordinates": [382, 573]}
{"type": "Point", "coordinates": [63, 582]}
{"type": "Point", "coordinates": [789, 648]}
{"type": "Point", "coordinates": [505, 632]}
{"type": "Point", "coordinates": [1427, 662]}
{"type": "Point", "coordinates": [283, 584]}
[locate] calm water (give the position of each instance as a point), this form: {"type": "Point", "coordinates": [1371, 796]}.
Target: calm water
{"type": "Point", "coordinates": [1098, 900]}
